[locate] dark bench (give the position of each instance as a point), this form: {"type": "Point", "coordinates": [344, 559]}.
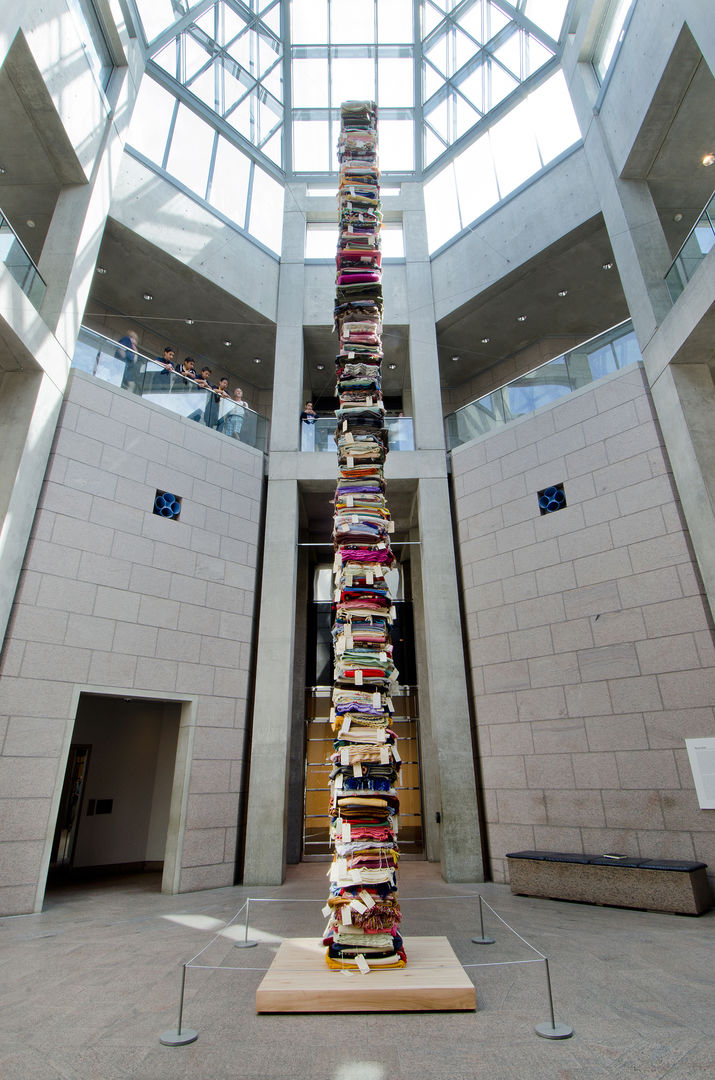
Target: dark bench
{"type": "Point", "coordinates": [652, 884]}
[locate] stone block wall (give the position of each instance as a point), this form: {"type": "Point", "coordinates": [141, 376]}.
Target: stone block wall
{"type": "Point", "coordinates": [115, 598]}
{"type": "Point", "coordinates": [590, 638]}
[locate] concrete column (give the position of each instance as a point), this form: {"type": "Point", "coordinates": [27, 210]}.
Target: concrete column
{"type": "Point", "coordinates": [446, 692]}
{"type": "Point", "coordinates": [266, 820]}
{"type": "Point", "coordinates": [29, 406]}
{"type": "Point", "coordinates": [684, 397]}
{"type": "Point", "coordinates": [288, 379]}
{"type": "Point", "coordinates": [424, 359]}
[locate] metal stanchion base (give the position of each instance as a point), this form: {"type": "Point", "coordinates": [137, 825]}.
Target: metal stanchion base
{"type": "Point", "coordinates": [245, 944]}
{"type": "Point", "coordinates": [484, 940]}
{"type": "Point", "coordinates": [553, 1031]}
{"type": "Point", "coordinates": [173, 1037]}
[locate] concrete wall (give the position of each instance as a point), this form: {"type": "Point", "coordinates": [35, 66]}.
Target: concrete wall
{"type": "Point", "coordinates": [589, 635]}
{"type": "Point", "coordinates": [117, 600]}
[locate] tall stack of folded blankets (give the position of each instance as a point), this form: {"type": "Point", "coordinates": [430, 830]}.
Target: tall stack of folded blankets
{"type": "Point", "coordinates": [363, 930]}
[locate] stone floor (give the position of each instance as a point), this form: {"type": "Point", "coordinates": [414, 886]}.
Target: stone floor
{"type": "Point", "coordinates": [87, 987]}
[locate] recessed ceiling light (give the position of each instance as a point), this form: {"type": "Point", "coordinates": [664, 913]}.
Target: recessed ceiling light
{"type": "Point", "coordinates": [392, 366]}
{"type": "Point", "coordinates": [677, 217]}
{"type": "Point", "coordinates": [320, 367]}
{"type": "Point", "coordinates": [521, 318]}
{"type": "Point", "coordinates": [227, 343]}
{"type": "Point", "coordinates": [148, 296]}
{"type": "Point", "coordinates": [607, 266]}
{"type": "Point", "coordinates": [189, 322]}
{"type": "Point", "coordinates": [30, 223]}
{"type": "Point", "coordinates": [256, 360]}
{"type": "Point", "coordinates": [101, 270]}
{"type": "Point", "coordinates": [562, 292]}
{"type": "Point", "coordinates": [486, 340]}
{"type": "Point", "coordinates": [708, 159]}
{"type": "Point", "coordinates": [2, 170]}
{"type": "Point", "coordinates": [454, 359]}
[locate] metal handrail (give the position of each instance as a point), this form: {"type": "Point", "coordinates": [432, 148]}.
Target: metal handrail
{"type": "Point", "coordinates": [703, 214]}
{"type": "Point", "coordinates": [4, 218]}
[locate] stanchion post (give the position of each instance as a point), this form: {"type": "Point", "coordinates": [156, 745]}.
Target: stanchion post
{"type": "Point", "coordinates": [175, 1036]}
{"type": "Point", "coordinates": [246, 944]}
{"type": "Point", "coordinates": [552, 1030]}
{"type": "Point", "coordinates": [482, 940]}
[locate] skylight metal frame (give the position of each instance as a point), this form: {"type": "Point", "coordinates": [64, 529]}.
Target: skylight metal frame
{"type": "Point", "coordinates": [451, 85]}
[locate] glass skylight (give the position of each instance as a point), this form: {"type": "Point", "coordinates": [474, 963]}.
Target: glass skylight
{"type": "Point", "coordinates": [465, 80]}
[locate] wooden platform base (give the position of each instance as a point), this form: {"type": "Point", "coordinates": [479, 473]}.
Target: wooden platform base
{"type": "Point", "coordinates": [299, 981]}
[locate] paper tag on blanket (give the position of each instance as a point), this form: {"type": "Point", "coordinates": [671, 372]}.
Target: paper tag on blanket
{"type": "Point", "coordinates": [326, 911]}
{"type": "Point", "coordinates": [366, 898]}
{"type": "Point", "coordinates": [376, 701]}
{"type": "Point", "coordinates": [338, 782]}
{"type": "Point", "coordinates": [384, 755]}
{"type": "Point", "coordinates": [395, 754]}
{"type": "Point", "coordinates": [346, 725]}
{"type": "Point", "coordinates": [358, 677]}
{"type": "Point", "coordinates": [357, 770]}
{"type": "Point", "coordinates": [346, 832]}
{"type": "Point", "coordinates": [344, 755]}
{"type": "Point", "coordinates": [362, 964]}
{"type": "Point", "coordinates": [345, 915]}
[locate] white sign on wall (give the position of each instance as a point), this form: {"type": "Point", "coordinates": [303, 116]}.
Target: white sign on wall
{"type": "Point", "coordinates": [702, 762]}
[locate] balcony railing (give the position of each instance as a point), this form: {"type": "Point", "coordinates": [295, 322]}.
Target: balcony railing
{"type": "Point", "coordinates": [111, 362]}
{"type": "Point", "coordinates": [318, 437]}
{"type": "Point", "coordinates": [609, 352]}
{"type": "Point", "coordinates": [18, 261]}
{"type": "Point", "coordinates": [696, 246]}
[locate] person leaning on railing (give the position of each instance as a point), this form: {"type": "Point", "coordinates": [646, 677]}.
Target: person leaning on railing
{"type": "Point", "coordinates": [127, 352]}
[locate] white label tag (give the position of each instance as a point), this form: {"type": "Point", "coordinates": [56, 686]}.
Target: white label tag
{"type": "Point", "coordinates": [358, 907]}
{"type": "Point", "coordinates": [358, 677]}
{"type": "Point", "coordinates": [362, 964]}
{"type": "Point", "coordinates": [338, 784]}
{"type": "Point", "coordinates": [390, 526]}
{"type": "Point", "coordinates": [351, 462]}
{"type": "Point", "coordinates": [348, 500]}
{"type": "Point", "coordinates": [369, 577]}
{"type": "Point", "coordinates": [345, 755]}
{"type": "Point", "coordinates": [384, 755]}
{"type": "Point", "coordinates": [326, 911]}
{"type": "Point", "coordinates": [383, 657]}
{"type": "Point", "coordinates": [376, 701]}
{"type": "Point", "coordinates": [395, 754]}
{"type": "Point", "coordinates": [346, 832]}
{"type": "Point", "coordinates": [346, 725]}
{"type": "Point", "coordinates": [345, 915]}
{"type": "Point", "coordinates": [357, 770]}
{"type": "Point", "coordinates": [390, 706]}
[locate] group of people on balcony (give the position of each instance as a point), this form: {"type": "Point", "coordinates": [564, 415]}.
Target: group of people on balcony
{"type": "Point", "coordinates": [225, 412]}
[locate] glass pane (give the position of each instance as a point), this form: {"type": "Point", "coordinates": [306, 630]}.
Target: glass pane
{"type": "Point", "coordinates": [536, 54]}
{"type": "Point", "coordinates": [311, 150]}
{"type": "Point", "coordinates": [464, 116]}
{"type": "Point", "coordinates": [441, 209]}
{"type": "Point", "coordinates": [431, 81]}
{"type": "Point", "coordinates": [393, 242]}
{"type": "Point", "coordinates": [149, 128]}
{"type": "Point", "coordinates": [500, 84]}
{"type": "Point", "coordinates": [397, 145]}
{"type": "Point", "coordinates": [496, 21]}
{"type": "Point", "coordinates": [352, 79]}
{"type": "Point", "coordinates": [509, 54]}
{"type": "Point", "coordinates": [352, 22]}
{"type": "Point", "coordinates": [430, 18]}
{"type": "Point", "coordinates": [611, 35]}
{"type": "Point", "coordinates": [230, 25]}
{"type": "Point", "coordinates": [553, 119]}
{"type": "Point", "coordinates": [514, 149]}
{"type": "Point", "coordinates": [310, 83]}
{"type": "Point", "coordinates": [195, 55]}
{"type": "Point", "coordinates": [229, 185]}
{"type": "Point", "coordinates": [309, 22]}
{"type": "Point", "coordinates": [627, 350]}
{"type": "Point", "coordinates": [537, 388]}
{"type": "Point", "coordinates": [206, 89]}
{"type": "Point", "coordinates": [395, 82]}
{"type": "Point", "coordinates": [394, 21]}
{"type": "Point", "coordinates": [548, 14]}
{"type": "Point", "coordinates": [190, 153]}
{"type": "Point", "coordinates": [321, 241]}
{"type": "Point", "coordinates": [476, 181]}
{"type": "Point", "coordinates": [473, 88]}
{"type": "Point", "coordinates": [266, 221]}
{"type": "Point", "coordinates": [156, 15]}
{"type": "Point", "coordinates": [472, 20]}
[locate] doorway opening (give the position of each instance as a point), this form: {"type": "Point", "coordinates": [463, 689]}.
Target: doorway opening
{"type": "Point", "coordinates": [114, 811]}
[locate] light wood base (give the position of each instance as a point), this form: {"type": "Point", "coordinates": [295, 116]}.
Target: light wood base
{"type": "Point", "coordinates": [299, 981]}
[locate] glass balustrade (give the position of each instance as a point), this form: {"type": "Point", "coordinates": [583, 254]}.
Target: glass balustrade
{"type": "Point", "coordinates": [18, 261]}
{"type": "Point", "coordinates": [602, 355]}
{"type": "Point", "coordinates": [113, 363]}
{"type": "Point", "coordinates": [697, 244]}
{"type": "Point", "coordinates": [318, 437]}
